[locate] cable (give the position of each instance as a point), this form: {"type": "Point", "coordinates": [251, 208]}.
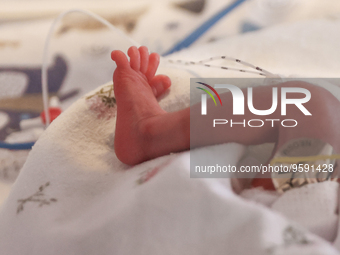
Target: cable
{"type": "Point", "coordinates": [259, 70]}
{"type": "Point", "coordinates": [16, 146]}
{"type": "Point", "coordinates": [186, 42]}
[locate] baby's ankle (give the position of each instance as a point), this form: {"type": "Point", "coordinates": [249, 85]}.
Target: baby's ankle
{"type": "Point", "coordinates": [139, 146]}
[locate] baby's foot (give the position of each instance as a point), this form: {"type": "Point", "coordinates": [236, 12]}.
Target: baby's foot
{"type": "Point", "coordinates": [136, 88]}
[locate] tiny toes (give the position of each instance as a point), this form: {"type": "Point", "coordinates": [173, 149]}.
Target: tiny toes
{"type": "Point", "coordinates": [153, 65]}
{"type": "Point", "coordinates": [120, 59]}
{"type": "Point", "coordinates": [134, 58]}
{"type": "Point", "coordinates": [159, 84]}
{"type": "Point", "coordinates": [144, 59]}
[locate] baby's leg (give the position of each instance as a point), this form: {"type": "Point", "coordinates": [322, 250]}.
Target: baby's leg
{"type": "Point", "coordinates": [144, 131]}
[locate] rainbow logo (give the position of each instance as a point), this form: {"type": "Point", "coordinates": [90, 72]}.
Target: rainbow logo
{"type": "Point", "coordinates": [213, 90]}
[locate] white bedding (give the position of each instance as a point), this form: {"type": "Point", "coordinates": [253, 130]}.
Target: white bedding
{"type": "Point", "coordinates": [74, 197]}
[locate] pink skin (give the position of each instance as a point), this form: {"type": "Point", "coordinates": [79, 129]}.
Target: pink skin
{"type": "Point", "coordinates": [145, 131]}
{"type": "Point", "coordinates": [136, 88]}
